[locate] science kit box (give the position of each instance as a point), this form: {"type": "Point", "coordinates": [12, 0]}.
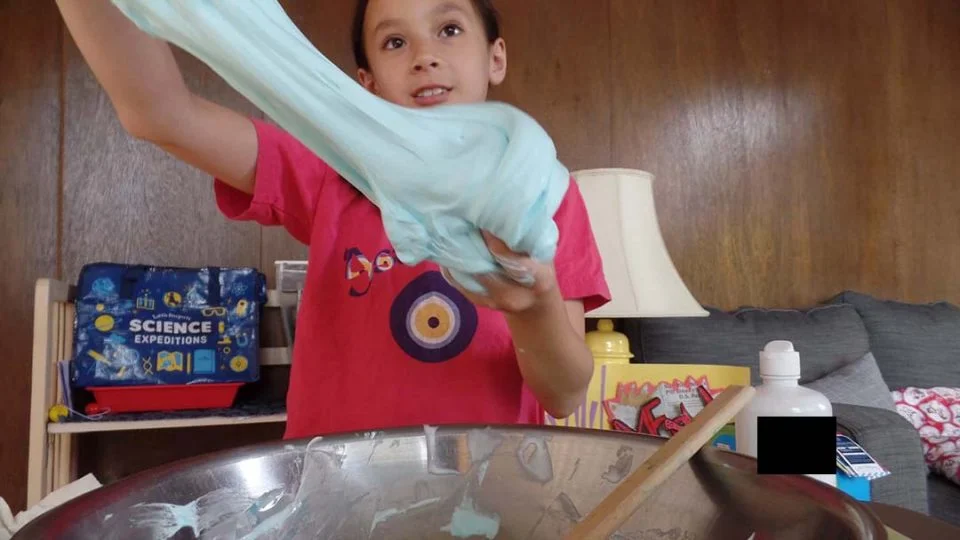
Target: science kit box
{"type": "Point", "coordinates": [140, 326]}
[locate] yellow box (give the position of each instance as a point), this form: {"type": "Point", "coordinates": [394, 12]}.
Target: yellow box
{"type": "Point", "coordinates": [655, 399]}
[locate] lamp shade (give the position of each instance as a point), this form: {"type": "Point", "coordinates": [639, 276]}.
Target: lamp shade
{"type": "Point", "coordinates": [643, 280]}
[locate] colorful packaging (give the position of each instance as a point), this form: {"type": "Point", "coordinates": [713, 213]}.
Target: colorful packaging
{"type": "Point", "coordinates": [653, 399]}
{"type": "Point", "coordinates": [143, 325]}
{"type": "Point", "coordinates": [856, 469]}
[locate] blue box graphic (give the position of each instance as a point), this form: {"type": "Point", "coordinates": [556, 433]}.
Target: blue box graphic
{"type": "Point", "coordinates": [858, 488]}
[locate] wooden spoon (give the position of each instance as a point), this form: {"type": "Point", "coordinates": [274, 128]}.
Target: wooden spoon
{"type": "Point", "coordinates": [623, 501]}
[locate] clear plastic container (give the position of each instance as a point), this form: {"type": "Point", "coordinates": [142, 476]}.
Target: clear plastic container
{"type": "Point", "coordinates": [291, 275]}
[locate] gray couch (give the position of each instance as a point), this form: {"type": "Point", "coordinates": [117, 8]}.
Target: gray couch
{"type": "Point", "coordinates": [855, 349]}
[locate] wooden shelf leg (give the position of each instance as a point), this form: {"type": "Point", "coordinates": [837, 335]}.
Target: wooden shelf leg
{"type": "Point", "coordinates": [49, 330]}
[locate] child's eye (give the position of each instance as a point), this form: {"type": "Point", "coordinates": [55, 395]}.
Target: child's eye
{"type": "Point", "coordinates": [451, 30]}
{"type": "Point", "coordinates": [393, 43]}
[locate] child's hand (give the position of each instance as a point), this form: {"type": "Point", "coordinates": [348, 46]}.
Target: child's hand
{"type": "Point", "coordinates": [531, 281]}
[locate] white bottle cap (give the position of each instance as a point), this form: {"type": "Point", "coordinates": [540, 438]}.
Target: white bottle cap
{"type": "Point", "coordinates": [779, 359]}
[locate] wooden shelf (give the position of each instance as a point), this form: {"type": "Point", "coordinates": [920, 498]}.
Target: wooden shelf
{"type": "Point", "coordinates": [52, 459]}
{"type": "Point", "coordinates": [269, 356]}
{"type": "Point", "coordinates": [171, 423]}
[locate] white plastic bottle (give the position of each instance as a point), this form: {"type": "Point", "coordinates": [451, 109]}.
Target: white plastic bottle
{"type": "Point", "coordinates": [780, 395]}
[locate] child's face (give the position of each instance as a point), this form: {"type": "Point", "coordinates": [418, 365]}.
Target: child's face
{"type": "Point", "coordinates": [429, 52]}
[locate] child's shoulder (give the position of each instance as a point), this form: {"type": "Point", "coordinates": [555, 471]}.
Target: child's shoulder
{"type": "Point", "coordinates": [281, 152]}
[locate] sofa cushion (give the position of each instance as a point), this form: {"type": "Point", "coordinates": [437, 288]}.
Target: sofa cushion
{"type": "Point", "coordinates": [915, 344]}
{"type": "Point", "coordinates": [857, 383]}
{"type": "Point", "coordinates": [944, 499]}
{"type": "Point", "coordinates": [895, 444]}
{"type": "Point", "coordinates": [827, 337]}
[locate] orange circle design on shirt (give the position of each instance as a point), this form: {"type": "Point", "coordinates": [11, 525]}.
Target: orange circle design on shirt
{"type": "Point", "coordinates": [384, 263]}
{"type": "Point", "coordinates": [433, 320]}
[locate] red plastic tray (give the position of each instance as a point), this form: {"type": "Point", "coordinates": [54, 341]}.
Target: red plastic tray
{"type": "Point", "coordinates": [179, 397]}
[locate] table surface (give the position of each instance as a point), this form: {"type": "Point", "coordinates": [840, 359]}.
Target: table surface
{"type": "Point", "coordinates": [914, 525]}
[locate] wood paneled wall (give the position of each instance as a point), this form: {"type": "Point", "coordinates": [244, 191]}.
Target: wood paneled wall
{"type": "Point", "coordinates": [800, 148]}
{"type": "Point", "coordinates": [30, 145]}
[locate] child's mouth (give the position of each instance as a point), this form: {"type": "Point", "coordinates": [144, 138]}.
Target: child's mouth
{"type": "Point", "coordinates": [431, 95]}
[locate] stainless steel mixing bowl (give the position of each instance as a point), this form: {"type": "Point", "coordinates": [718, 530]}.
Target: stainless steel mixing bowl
{"type": "Point", "coordinates": [464, 481]}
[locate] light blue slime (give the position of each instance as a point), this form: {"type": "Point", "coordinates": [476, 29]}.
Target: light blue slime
{"type": "Point", "coordinates": [467, 522]}
{"type": "Point", "coordinates": [438, 175]}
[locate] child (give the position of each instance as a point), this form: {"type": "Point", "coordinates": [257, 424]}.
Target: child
{"type": "Point", "coordinates": [379, 344]}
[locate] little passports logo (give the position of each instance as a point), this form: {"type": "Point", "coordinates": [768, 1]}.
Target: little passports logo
{"type": "Point", "coordinates": [360, 271]}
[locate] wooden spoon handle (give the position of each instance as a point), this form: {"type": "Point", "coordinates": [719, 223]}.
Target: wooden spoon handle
{"type": "Point", "coordinates": [623, 501]}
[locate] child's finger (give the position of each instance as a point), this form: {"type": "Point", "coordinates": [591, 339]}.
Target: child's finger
{"type": "Point", "coordinates": [504, 294]}
{"type": "Point", "coordinates": [499, 247]}
{"type": "Point", "coordinates": [495, 284]}
{"type": "Point", "coordinates": [517, 270]}
{"type": "Point", "coordinates": [474, 298]}
{"type": "Point", "coordinates": [518, 267]}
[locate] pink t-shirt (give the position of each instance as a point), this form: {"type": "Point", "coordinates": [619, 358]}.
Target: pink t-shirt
{"type": "Point", "coordinates": [381, 344]}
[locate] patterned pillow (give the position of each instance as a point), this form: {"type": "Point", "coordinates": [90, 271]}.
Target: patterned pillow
{"type": "Point", "coordinates": [935, 413]}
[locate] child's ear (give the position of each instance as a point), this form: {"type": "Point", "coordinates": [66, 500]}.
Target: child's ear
{"type": "Point", "coordinates": [498, 61]}
{"type": "Point", "coordinates": [366, 79]}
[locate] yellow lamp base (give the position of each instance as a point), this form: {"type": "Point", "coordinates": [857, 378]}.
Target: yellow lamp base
{"type": "Point", "coordinates": [607, 345]}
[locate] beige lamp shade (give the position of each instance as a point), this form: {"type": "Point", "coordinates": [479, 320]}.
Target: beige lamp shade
{"type": "Point", "coordinates": [642, 279]}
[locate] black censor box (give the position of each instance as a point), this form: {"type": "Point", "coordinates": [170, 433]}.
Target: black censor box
{"type": "Point", "coordinates": [796, 445]}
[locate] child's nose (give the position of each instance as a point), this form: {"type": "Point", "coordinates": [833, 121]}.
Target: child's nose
{"type": "Point", "coordinates": [426, 62]}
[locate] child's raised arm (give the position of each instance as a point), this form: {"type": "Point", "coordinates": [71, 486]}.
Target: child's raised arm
{"type": "Point", "coordinates": [144, 84]}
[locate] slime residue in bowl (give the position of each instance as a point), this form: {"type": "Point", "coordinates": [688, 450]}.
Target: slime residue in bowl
{"type": "Point", "coordinates": [322, 500]}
